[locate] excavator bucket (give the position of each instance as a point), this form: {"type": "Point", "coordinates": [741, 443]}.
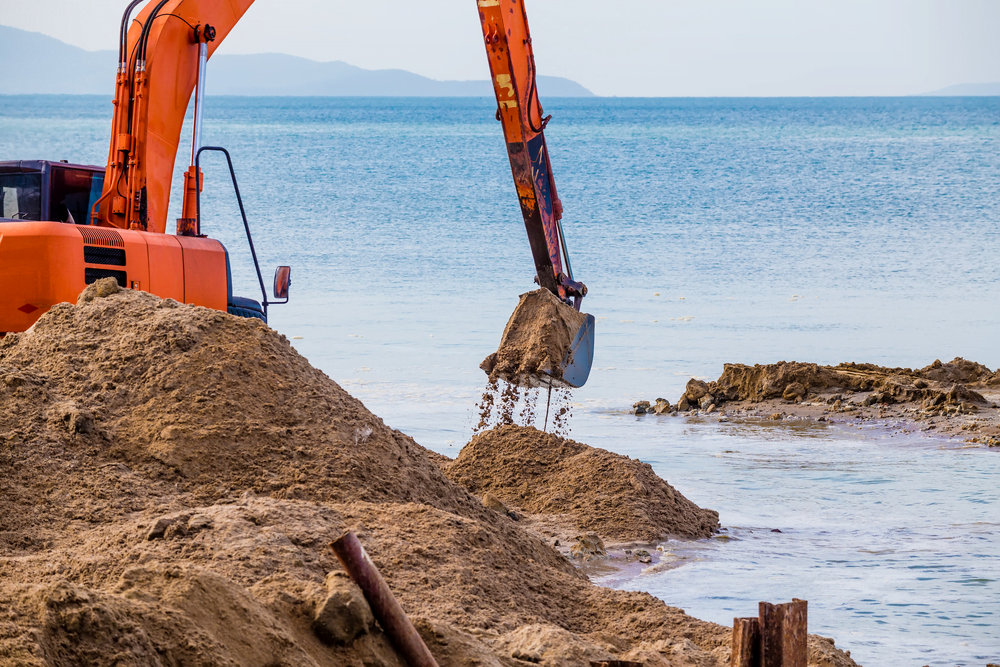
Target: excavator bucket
{"type": "Point", "coordinates": [579, 359]}
{"type": "Point", "coordinates": [546, 343]}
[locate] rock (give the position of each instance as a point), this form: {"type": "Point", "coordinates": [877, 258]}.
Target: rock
{"type": "Point", "coordinates": [683, 405]}
{"type": "Point", "coordinates": [711, 408]}
{"type": "Point", "coordinates": [794, 390]}
{"type": "Point", "coordinates": [170, 526]}
{"type": "Point", "coordinates": [643, 556]}
{"type": "Point", "coordinates": [640, 408]}
{"type": "Point", "coordinates": [695, 389]}
{"type": "Point", "coordinates": [344, 614]}
{"type": "Point", "coordinates": [833, 399]}
{"type": "Point", "coordinates": [74, 418]}
{"type": "Point", "coordinates": [706, 401]}
{"type": "Point", "coordinates": [775, 417]}
{"type": "Point", "coordinates": [662, 406]}
{"type": "Point", "coordinates": [920, 384]}
{"type": "Point", "coordinates": [494, 503]}
{"type": "Point", "coordinates": [588, 547]}
{"type": "Point", "coordinates": [159, 528]}
{"type": "Point", "coordinates": [98, 290]}
{"type": "Point", "coordinates": [837, 404]}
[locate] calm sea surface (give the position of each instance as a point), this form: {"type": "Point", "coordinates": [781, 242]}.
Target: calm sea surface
{"type": "Point", "coordinates": [708, 231]}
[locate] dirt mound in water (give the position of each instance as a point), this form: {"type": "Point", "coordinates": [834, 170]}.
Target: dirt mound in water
{"type": "Point", "coordinates": [536, 339]}
{"type": "Point", "coordinates": [962, 371]}
{"type": "Point", "coordinates": [612, 495]}
{"type": "Point", "coordinates": [937, 385]}
{"type": "Point", "coordinates": [171, 478]}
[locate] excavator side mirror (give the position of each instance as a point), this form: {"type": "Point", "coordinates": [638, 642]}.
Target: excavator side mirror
{"type": "Point", "coordinates": [282, 279]}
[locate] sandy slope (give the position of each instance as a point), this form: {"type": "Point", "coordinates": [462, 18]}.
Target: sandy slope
{"type": "Point", "coordinates": [170, 480]}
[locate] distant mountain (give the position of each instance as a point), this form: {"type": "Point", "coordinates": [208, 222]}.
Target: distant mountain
{"type": "Point", "coordinates": [33, 63]}
{"type": "Point", "coordinates": [968, 90]}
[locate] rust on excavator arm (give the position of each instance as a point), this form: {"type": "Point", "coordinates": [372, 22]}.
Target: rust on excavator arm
{"type": "Point", "coordinates": [513, 72]}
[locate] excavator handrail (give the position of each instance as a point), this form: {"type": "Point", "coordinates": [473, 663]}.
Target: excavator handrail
{"type": "Point", "coordinates": [239, 200]}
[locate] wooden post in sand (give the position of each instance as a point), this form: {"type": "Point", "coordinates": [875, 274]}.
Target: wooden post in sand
{"type": "Point", "coordinates": [777, 638]}
{"type": "Point", "coordinates": [746, 643]}
{"type": "Point", "coordinates": [783, 634]}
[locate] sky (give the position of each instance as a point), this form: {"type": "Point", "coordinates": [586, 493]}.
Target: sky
{"type": "Point", "coordinates": [626, 47]}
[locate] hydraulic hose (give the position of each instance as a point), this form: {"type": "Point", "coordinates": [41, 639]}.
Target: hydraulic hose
{"type": "Point", "coordinates": [123, 34]}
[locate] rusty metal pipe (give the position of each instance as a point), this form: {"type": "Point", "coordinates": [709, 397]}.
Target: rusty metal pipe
{"type": "Point", "coordinates": [385, 608]}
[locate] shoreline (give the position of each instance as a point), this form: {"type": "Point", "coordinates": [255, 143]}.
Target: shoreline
{"type": "Point", "coordinates": [959, 400]}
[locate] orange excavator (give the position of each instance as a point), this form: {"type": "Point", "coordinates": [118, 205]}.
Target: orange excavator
{"type": "Point", "coordinates": [64, 226]}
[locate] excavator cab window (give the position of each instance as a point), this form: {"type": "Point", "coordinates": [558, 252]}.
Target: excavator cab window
{"type": "Point", "coordinates": [73, 192]}
{"type": "Point", "coordinates": [21, 196]}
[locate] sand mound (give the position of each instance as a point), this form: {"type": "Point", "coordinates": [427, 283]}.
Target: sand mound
{"type": "Point", "coordinates": [540, 473]}
{"type": "Point", "coordinates": [962, 371]}
{"type": "Point", "coordinates": [536, 339]}
{"type": "Point", "coordinates": [170, 480]}
{"type": "Point", "coordinates": [936, 385]}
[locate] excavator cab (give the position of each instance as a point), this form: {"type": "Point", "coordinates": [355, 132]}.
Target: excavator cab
{"type": "Point", "coordinates": [51, 249]}
{"type": "Point", "coordinates": [43, 190]}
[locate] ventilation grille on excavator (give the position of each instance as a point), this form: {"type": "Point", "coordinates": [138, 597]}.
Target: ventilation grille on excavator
{"type": "Point", "coordinates": [92, 275]}
{"type": "Point", "coordinates": [106, 256]}
{"type": "Point", "coordinates": [101, 236]}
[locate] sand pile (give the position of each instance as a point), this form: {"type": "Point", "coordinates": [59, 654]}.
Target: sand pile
{"type": "Point", "coordinates": [618, 498]}
{"type": "Point", "coordinates": [536, 340]}
{"type": "Point", "coordinates": [171, 477]}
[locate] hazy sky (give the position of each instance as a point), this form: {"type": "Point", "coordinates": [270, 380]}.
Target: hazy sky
{"type": "Point", "coordinates": [624, 47]}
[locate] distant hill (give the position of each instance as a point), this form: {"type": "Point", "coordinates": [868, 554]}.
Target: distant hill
{"type": "Point", "coordinates": [33, 63]}
{"type": "Point", "coordinates": [968, 90]}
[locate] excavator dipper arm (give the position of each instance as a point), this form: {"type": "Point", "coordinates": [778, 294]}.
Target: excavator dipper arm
{"type": "Point", "coordinates": [513, 72]}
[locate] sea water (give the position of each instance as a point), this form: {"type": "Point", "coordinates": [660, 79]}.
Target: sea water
{"type": "Point", "coordinates": [708, 231]}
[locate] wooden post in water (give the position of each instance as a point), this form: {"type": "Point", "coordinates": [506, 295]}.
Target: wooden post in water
{"type": "Point", "coordinates": [746, 643]}
{"type": "Point", "coordinates": [777, 638]}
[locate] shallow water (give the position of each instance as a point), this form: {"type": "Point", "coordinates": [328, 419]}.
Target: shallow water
{"type": "Point", "coordinates": [708, 231]}
{"type": "Point", "coordinates": [892, 540]}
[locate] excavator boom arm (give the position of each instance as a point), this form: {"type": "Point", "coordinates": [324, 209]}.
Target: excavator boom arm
{"type": "Point", "coordinates": [158, 70]}
{"type": "Point", "coordinates": [515, 82]}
